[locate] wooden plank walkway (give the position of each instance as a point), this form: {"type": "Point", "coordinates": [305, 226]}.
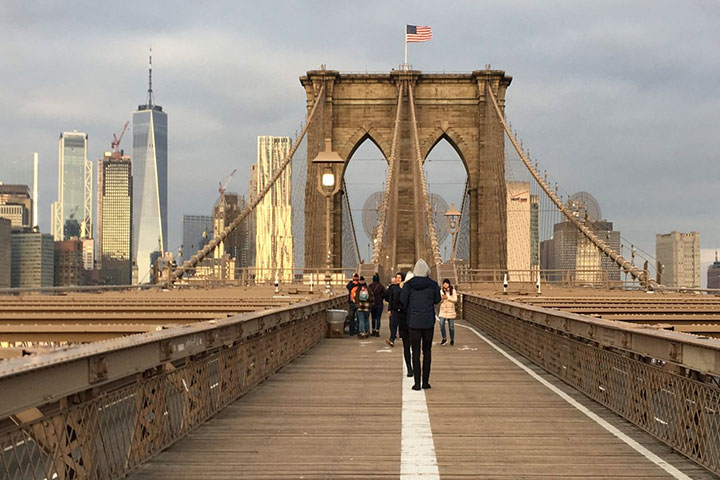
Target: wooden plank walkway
{"type": "Point", "coordinates": [337, 412]}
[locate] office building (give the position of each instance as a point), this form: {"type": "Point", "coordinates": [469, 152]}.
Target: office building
{"type": "Point", "coordinates": [71, 215]}
{"type": "Point", "coordinates": [574, 251]}
{"type": "Point", "coordinates": [225, 210]}
{"type": "Point", "coordinates": [68, 266]}
{"type": "Point", "coordinates": [518, 231]}
{"type": "Point", "coordinates": [713, 274]}
{"type": "Point", "coordinates": [534, 232]}
{"type": "Point", "coordinates": [5, 227]}
{"type": "Point", "coordinates": [679, 255]}
{"type": "Point", "coordinates": [197, 231]}
{"type": "Point", "coordinates": [274, 255]}
{"type": "Point", "coordinates": [150, 171]}
{"type": "Point", "coordinates": [114, 217]}
{"type": "Point", "coordinates": [16, 205]}
{"type": "Point", "coordinates": [249, 247]}
{"type": "Point", "coordinates": [32, 259]}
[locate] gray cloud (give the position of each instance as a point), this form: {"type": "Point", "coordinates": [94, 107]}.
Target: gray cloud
{"type": "Point", "coordinates": [616, 98]}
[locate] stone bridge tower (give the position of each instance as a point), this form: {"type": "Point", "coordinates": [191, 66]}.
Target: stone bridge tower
{"type": "Point", "coordinates": [454, 107]}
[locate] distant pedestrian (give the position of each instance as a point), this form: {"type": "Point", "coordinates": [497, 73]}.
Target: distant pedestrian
{"type": "Point", "coordinates": [419, 297]}
{"type": "Point", "coordinates": [447, 311]}
{"type": "Point", "coordinates": [365, 301]}
{"type": "Point", "coordinates": [392, 297]}
{"type": "Point", "coordinates": [402, 324]}
{"type": "Point", "coordinates": [378, 291]}
{"type": "Point", "coordinates": [352, 287]}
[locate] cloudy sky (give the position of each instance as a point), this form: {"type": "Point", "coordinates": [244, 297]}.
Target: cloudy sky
{"type": "Point", "coordinates": [618, 98]}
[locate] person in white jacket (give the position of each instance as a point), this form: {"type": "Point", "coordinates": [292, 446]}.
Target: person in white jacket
{"type": "Point", "coordinates": [447, 311]}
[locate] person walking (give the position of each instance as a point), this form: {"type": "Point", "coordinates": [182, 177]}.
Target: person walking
{"type": "Point", "coordinates": [365, 301]}
{"type": "Point", "coordinates": [419, 296]}
{"type": "Point", "coordinates": [378, 291]}
{"type": "Point", "coordinates": [392, 297]}
{"type": "Point", "coordinates": [448, 294]}
{"type": "Point", "coordinates": [352, 287]}
{"type": "Point", "coordinates": [404, 331]}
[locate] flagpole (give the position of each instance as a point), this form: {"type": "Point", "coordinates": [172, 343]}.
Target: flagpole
{"type": "Point", "coordinates": [405, 67]}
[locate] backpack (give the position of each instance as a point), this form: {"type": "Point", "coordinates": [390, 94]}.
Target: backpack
{"type": "Point", "coordinates": [364, 295]}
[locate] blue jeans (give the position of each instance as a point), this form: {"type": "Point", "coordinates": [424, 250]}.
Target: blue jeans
{"type": "Point", "coordinates": [451, 326]}
{"type": "Point", "coordinates": [363, 321]}
{"type": "Point", "coordinates": [376, 315]}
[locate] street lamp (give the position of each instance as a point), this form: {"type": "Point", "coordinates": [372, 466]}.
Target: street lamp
{"type": "Point", "coordinates": [327, 165]}
{"type": "Point", "coordinates": [452, 217]}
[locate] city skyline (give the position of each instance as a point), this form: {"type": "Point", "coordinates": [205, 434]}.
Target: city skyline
{"type": "Point", "coordinates": [627, 154]}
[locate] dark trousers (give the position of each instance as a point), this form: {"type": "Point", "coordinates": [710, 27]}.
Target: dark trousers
{"type": "Point", "coordinates": [421, 338]}
{"type": "Point", "coordinates": [394, 323]}
{"type": "Point", "coordinates": [352, 318]}
{"type": "Point", "coordinates": [405, 336]}
{"type": "Point", "coordinates": [376, 313]}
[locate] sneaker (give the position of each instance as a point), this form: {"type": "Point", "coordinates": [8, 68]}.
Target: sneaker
{"type": "Point", "coordinates": [426, 386]}
{"type": "Point", "coordinates": [444, 341]}
{"type": "Point", "coordinates": [416, 387]}
{"type": "Point", "coordinates": [387, 340]}
{"type": "Point", "coordinates": [452, 342]}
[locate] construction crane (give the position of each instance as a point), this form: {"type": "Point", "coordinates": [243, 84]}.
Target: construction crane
{"type": "Point", "coordinates": [224, 184]}
{"type": "Point", "coordinates": [115, 144]}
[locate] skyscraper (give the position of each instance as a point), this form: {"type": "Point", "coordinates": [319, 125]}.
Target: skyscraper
{"type": "Point", "coordinates": [150, 158]}
{"type": "Point", "coordinates": [224, 212]}
{"type": "Point", "coordinates": [713, 274]}
{"type": "Point", "coordinates": [273, 237]}
{"type": "Point", "coordinates": [197, 231]}
{"type": "Point", "coordinates": [4, 253]}
{"type": "Point", "coordinates": [72, 214]}
{"type": "Point", "coordinates": [679, 255]}
{"type": "Point", "coordinates": [32, 259]}
{"type": "Point", "coordinates": [518, 231]}
{"type": "Point", "coordinates": [16, 205]}
{"type": "Point", "coordinates": [114, 249]}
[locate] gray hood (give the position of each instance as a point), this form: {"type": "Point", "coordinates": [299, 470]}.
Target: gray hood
{"type": "Point", "coordinates": [421, 269]}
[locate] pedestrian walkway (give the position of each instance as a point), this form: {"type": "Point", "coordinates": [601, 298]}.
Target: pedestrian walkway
{"type": "Point", "coordinates": [346, 410]}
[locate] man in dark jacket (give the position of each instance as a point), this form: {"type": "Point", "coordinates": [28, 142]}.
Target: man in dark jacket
{"type": "Point", "coordinates": [352, 287]}
{"type": "Point", "coordinates": [419, 297]}
{"type": "Point", "coordinates": [378, 291]}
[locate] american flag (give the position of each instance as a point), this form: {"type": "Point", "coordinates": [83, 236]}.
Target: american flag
{"type": "Point", "coordinates": [416, 33]}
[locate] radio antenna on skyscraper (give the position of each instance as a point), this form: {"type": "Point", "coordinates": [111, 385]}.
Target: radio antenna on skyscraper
{"type": "Point", "coordinates": [150, 95]}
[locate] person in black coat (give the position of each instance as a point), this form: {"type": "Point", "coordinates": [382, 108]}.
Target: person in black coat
{"type": "Point", "coordinates": [419, 296]}
{"type": "Point", "coordinates": [398, 320]}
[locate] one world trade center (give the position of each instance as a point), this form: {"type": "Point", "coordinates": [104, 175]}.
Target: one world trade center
{"type": "Point", "coordinates": [150, 164]}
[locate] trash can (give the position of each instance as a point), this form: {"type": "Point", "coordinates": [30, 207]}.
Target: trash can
{"type": "Point", "coordinates": [336, 323]}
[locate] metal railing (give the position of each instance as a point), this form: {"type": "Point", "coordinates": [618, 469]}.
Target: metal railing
{"type": "Point", "coordinates": [99, 410]}
{"type": "Point", "coordinates": [599, 278]}
{"type": "Point", "coordinates": [666, 383]}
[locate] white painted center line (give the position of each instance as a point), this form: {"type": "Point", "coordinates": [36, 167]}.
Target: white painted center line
{"type": "Point", "coordinates": [417, 457]}
{"type": "Point", "coordinates": [603, 423]}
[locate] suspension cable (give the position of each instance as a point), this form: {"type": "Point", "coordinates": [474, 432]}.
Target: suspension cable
{"type": "Point", "coordinates": [389, 181]}
{"type": "Point", "coordinates": [434, 246]}
{"type": "Point", "coordinates": [352, 223]}
{"type": "Point", "coordinates": [207, 249]}
{"type": "Point", "coordinates": [589, 234]}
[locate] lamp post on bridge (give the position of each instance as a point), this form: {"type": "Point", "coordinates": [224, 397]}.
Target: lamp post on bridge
{"type": "Point", "coordinates": [453, 226]}
{"type": "Point", "coordinates": [327, 163]}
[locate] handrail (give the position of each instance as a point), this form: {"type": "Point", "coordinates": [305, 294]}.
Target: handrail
{"type": "Point", "coordinates": [62, 372]}
{"type": "Point", "coordinates": [699, 354]}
